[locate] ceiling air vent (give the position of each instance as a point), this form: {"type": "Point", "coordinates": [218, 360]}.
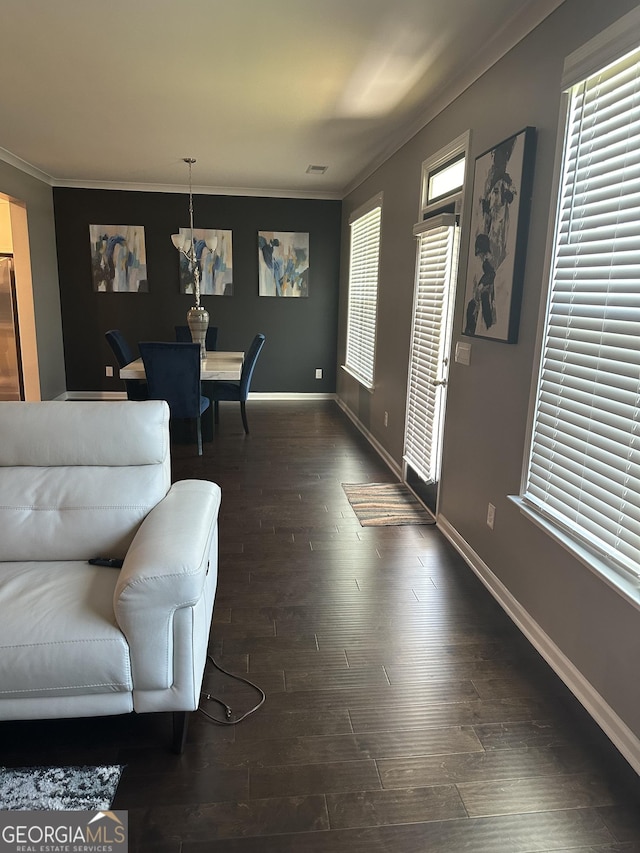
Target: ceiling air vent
{"type": "Point", "coordinates": [316, 170]}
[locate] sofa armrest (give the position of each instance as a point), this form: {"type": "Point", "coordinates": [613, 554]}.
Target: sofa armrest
{"type": "Point", "coordinates": [166, 568]}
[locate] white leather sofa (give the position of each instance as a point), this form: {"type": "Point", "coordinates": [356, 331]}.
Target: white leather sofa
{"type": "Point", "coordinates": [80, 480]}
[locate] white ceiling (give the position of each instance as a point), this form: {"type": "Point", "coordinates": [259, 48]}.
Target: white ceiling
{"type": "Point", "coordinates": [117, 93]}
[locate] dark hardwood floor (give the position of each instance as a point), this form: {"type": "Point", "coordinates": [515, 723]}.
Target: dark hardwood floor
{"type": "Point", "coordinates": [404, 711]}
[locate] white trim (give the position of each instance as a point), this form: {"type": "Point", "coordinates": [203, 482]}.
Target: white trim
{"type": "Point", "coordinates": [613, 726]}
{"type": "Point", "coordinates": [257, 192]}
{"type": "Point", "coordinates": [444, 220]}
{"type": "Point", "coordinates": [614, 578]}
{"type": "Point", "coordinates": [367, 207]}
{"type": "Point", "coordinates": [92, 395]}
{"type": "Point", "coordinates": [459, 145]}
{"type": "Point", "coordinates": [392, 464]}
{"type": "Point", "coordinates": [514, 32]}
{"type": "Point", "coordinates": [611, 44]}
{"type": "Point", "coordinates": [289, 395]}
{"type": "Point", "coordinates": [370, 387]}
{"type": "Point", "coordinates": [561, 141]}
{"type": "Point", "coordinates": [260, 395]}
{"type": "Point", "coordinates": [23, 166]}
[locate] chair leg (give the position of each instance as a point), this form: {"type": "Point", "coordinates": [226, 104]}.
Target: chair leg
{"type": "Point", "coordinates": [243, 412]}
{"type": "Point", "coordinates": [216, 412]}
{"type": "Point", "coordinates": [199, 429]}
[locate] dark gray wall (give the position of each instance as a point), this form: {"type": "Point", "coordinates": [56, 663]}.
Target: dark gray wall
{"type": "Point", "coordinates": [301, 333]}
{"type": "Point", "coordinates": [37, 197]}
{"type": "Point", "coordinates": [593, 627]}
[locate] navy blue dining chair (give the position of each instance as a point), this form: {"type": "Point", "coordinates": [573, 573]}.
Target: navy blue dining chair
{"type": "Point", "coordinates": [183, 334]}
{"type": "Point", "coordinates": [238, 391]}
{"type": "Point", "coordinates": [136, 388]}
{"type": "Point", "coordinates": [173, 374]}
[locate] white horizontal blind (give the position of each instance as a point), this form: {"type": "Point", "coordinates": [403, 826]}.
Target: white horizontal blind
{"type": "Point", "coordinates": [435, 273]}
{"type": "Point", "coordinates": [584, 470]}
{"type": "Point", "coordinates": [363, 295]}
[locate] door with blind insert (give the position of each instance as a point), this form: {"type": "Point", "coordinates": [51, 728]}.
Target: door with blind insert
{"type": "Point", "coordinates": [436, 268]}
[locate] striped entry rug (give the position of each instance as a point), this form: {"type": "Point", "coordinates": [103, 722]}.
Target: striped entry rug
{"type": "Point", "coordinates": [382, 504]}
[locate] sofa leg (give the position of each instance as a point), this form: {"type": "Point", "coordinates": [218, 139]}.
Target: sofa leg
{"type": "Point", "coordinates": [180, 726]}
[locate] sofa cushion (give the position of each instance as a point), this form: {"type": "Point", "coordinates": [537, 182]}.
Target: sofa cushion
{"type": "Point", "coordinates": [73, 645]}
{"type": "Point", "coordinates": [70, 487]}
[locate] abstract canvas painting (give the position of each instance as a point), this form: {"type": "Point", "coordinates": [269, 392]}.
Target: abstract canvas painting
{"type": "Point", "coordinates": [118, 258]}
{"type": "Point", "coordinates": [499, 224]}
{"type": "Point", "coordinates": [283, 263]}
{"type": "Point", "coordinates": [214, 257]}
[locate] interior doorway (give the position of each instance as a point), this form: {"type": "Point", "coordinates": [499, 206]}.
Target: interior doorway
{"type": "Point", "coordinates": [19, 371]}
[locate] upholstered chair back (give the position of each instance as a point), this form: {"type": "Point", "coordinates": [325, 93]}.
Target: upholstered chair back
{"type": "Point", "coordinates": [69, 488]}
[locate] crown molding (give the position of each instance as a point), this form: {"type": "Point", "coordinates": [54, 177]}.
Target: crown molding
{"type": "Point", "coordinates": [260, 192]}
{"type": "Point", "coordinates": [23, 166]}
{"type": "Point", "coordinates": [257, 192]}
{"type": "Point", "coordinates": [505, 39]}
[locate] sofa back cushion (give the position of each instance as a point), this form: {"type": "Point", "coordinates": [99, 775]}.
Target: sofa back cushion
{"type": "Point", "coordinates": [78, 478]}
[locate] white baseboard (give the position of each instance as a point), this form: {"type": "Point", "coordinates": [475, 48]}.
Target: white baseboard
{"type": "Point", "coordinates": [290, 395]}
{"type": "Point", "coordinates": [121, 395]}
{"type": "Point", "coordinates": [389, 460]}
{"type": "Point", "coordinates": [92, 395]}
{"type": "Point", "coordinates": [615, 728]}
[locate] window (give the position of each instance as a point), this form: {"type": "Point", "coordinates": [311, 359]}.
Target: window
{"type": "Point", "coordinates": [583, 473]}
{"type": "Point", "coordinates": [365, 224]}
{"type": "Point", "coordinates": [446, 181]}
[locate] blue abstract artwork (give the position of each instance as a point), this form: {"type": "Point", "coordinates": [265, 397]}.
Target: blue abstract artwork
{"type": "Point", "coordinates": [283, 263]}
{"type": "Point", "coordinates": [118, 259]}
{"type": "Point", "coordinates": [214, 257]}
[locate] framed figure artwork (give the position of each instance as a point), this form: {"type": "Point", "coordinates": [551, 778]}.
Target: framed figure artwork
{"type": "Point", "coordinates": [502, 187]}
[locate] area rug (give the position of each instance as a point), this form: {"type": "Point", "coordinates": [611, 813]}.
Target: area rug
{"type": "Point", "coordinates": [381, 504]}
{"type": "Point", "coordinates": [59, 788]}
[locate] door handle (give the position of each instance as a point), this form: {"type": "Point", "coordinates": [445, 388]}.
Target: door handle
{"type": "Point", "coordinates": [440, 382]}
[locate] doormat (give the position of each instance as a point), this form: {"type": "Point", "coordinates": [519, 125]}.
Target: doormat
{"type": "Point", "coordinates": [382, 504]}
{"type": "Point", "coordinates": [59, 788]}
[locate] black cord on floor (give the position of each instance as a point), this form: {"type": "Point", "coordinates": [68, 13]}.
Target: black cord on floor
{"type": "Point", "coordinates": [228, 711]}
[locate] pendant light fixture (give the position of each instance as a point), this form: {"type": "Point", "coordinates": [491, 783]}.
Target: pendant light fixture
{"type": "Point", "coordinates": [197, 316]}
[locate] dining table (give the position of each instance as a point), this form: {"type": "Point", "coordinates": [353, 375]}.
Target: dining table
{"type": "Point", "coordinates": [216, 365]}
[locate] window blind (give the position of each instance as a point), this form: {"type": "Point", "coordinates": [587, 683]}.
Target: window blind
{"type": "Point", "coordinates": [584, 468]}
{"type": "Point", "coordinates": [363, 295]}
{"type": "Point", "coordinates": [435, 273]}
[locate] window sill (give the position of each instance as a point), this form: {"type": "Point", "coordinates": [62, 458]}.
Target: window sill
{"type": "Point", "coordinates": [625, 587]}
{"type": "Point", "coordinates": [358, 379]}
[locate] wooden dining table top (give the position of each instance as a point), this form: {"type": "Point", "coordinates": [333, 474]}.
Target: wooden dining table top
{"type": "Point", "coordinates": [217, 365]}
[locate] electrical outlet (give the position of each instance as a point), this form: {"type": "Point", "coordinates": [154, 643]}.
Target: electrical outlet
{"type": "Point", "coordinates": [491, 515]}
{"type": "Point", "coordinates": [386, 418]}
{"type": "Point", "coordinates": [108, 371]}
{"type": "Point", "coordinates": [318, 373]}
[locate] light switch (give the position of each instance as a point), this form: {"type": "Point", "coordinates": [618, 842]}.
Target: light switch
{"type": "Point", "coordinates": [463, 353]}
